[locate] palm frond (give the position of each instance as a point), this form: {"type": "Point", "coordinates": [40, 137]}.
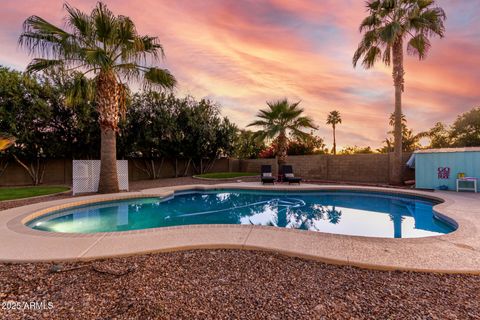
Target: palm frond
{"type": "Point", "coordinates": [392, 21]}
{"type": "Point", "coordinates": [370, 22]}
{"type": "Point", "coordinates": [98, 58]}
{"type": "Point", "coordinates": [419, 46]}
{"type": "Point", "coordinates": [373, 55]}
{"type": "Point", "coordinates": [161, 78]}
{"type": "Point", "coordinates": [282, 116]}
{"type": "Point", "coordinates": [390, 32]}
{"type": "Point", "coordinates": [78, 21]}
{"type": "Point", "coordinates": [82, 90]}
{"type": "Point", "coordinates": [42, 37]}
{"type": "Point", "coordinates": [105, 23]}
{"type": "Point", "coordinates": [95, 42]}
{"type": "Point", "coordinates": [258, 123]}
{"type": "Point", "coordinates": [38, 64]}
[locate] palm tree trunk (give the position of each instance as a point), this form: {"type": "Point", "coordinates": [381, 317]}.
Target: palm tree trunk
{"type": "Point", "coordinates": [282, 149]}
{"type": "Point", "coordinates": [107, 104]}
{"type": "Point", "coordinates": [398, 80]}
{"type": "Point", "coordinates": [334, 142]}
{"type": "Point", "coordinates": [108, 162]}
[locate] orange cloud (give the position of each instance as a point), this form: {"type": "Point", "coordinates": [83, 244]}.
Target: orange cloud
{"type": "Point", "coordinates": [243, 53]}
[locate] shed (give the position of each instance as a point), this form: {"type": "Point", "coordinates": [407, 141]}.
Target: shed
{"type": "Point", "coordinates": [437, 168]}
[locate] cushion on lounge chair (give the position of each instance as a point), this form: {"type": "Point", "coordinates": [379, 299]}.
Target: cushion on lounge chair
{"type": "Point", "coordinates": [266, 174]}
{"type": "Point", "coordinates": [289, 176]}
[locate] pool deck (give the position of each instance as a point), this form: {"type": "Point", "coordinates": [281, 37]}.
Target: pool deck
{"type": "Point", "coordinates": [457, 252]}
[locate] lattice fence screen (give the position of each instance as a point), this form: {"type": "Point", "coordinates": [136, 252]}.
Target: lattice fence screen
{"type": "Point", "coordinates": [86, 174]}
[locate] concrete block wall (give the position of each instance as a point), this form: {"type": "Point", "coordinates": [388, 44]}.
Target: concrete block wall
{"type": "Point", "coordinates": [254, 165]}
{"type": "Point", "coordinates": [59, 171]}
{"type": "Point", "coordinates": [372, 168]}
{"type": "Point", "coordinates": [367, 168]}
{"type": "Point", "coordinates": [312, 166]}
{"type": "Point", "coordinates": [363, 168]}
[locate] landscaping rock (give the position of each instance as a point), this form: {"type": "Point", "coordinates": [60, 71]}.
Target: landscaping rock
{"type": "Point", "coordinates": [232, 284]}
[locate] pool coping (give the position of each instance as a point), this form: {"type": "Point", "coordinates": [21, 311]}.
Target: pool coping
{"type": "Point", "coordinates": [456, 252]}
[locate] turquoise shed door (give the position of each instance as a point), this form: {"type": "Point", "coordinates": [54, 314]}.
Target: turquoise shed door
{"type": "Point", "coordinates": [427, 167]}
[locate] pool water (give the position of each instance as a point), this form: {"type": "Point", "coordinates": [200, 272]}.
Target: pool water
{"type": "Point", "coordinates": [341, 212]}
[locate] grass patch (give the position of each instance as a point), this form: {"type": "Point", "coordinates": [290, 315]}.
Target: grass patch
{"type": "Point", "coordinates": [27, 192]}
{"type": "Point", "coordinates": [226, 175]}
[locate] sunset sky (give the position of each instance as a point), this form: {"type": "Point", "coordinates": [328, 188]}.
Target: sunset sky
{"type": "Point", "coordinates": [242, 53]}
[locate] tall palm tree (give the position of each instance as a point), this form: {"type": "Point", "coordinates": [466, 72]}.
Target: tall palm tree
{"type": "Point", "coordinates": [280, 118]}
{"type": "Point", "coordinates": [109, 49]}
{"type": "Point", "coordinates": [390, 24]}
{"type": "Point", "coordinates": [333, 119]}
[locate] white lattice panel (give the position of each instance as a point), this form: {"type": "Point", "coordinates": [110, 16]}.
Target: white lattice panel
{"type": "Point", "coordinates": [86, 174]}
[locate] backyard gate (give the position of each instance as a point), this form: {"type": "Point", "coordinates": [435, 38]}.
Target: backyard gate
{"type": "Point", "coordinates": [86, 174]}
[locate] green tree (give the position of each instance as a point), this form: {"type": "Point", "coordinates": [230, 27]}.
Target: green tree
{"type": "Point", "coordinates": [356, 150]}
{"type": "Point", "coordinates": [110, 48]}
{"type": "Point", "coordinates": [309, 144]}
{"type": "Point", "coordinates": [145, 134]}
{"type": "Point", "coordinates": [465, 131]}
{"type": "Point", "coordinates": [248, 146]}
{"type": "Point", "coordinates": [161, 126]}
{"type": "Point", "coordinates": [26, 114]}
{"type": "Point", "coordinates": [389, 25]}
{"type": "Point", "coordinates": [77, 135]}
{"type": "Point", "coordinates": [410, 141]}
{"type": "Point", "coordinates": [439, 136]}
{"type": "Point", "coordinates": [333, 119]}
{"type": "Point", "coordinates": [280, 119]}
{"type": "Point", "coordinates": [207, 136]}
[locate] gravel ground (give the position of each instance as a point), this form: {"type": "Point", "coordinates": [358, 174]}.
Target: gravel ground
{"type": "Point", "coordinates": [232, 284]}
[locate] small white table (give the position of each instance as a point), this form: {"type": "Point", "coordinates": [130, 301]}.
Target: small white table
{"type": "Point", "coordinates": [469, 184]}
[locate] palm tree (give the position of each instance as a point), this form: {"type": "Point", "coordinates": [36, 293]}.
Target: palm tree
{"type": "Point", "coordinates": [410, 141]}
{"type": "Point", "coordinates": [280, 118]}
{"type": "Point", "coordinates": [333, 119]}
{"type": "Point", "coordinates": [390, 24]}
{"type": "Point", "coordinates": [109, 49]}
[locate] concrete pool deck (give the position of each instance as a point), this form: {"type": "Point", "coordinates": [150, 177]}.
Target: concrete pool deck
{"type": "Point", "coordinates": [456, 252]}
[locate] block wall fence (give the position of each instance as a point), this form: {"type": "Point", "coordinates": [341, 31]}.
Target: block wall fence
{"type": "Point", "coordinates": [362, 168]}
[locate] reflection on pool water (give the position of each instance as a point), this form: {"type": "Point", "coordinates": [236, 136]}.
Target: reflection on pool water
{"type": "Point", "coordinates": [341, 212]}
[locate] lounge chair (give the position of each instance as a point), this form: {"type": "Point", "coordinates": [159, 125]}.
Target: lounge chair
{"type": "Point", "coordinates": [266, 174]}
{"type": "Point", "coordinates": [288, 175]}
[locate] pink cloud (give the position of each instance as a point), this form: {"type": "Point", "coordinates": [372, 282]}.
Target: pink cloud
{"type": "Point", "coordinates": [243, 53]}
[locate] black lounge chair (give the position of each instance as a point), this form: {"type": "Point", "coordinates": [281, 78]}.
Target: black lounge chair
{"type": "Point", "coordinates": [288, 176]}
{"type": "Point", "coordinates": [266, 174]}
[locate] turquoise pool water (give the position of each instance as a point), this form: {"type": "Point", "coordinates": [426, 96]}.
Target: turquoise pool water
{"type": "Point", "coordinates": [340, 212]}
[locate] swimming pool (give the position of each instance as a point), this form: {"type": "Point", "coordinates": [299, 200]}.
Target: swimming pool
{"type": "Point", "coordinates": [362, 213]}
